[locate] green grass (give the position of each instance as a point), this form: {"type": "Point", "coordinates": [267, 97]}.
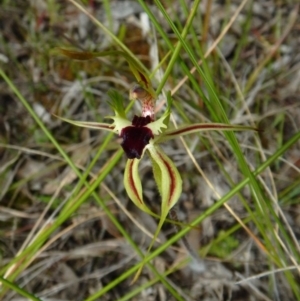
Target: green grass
{"type": "Point", "coordinates": [247, 180]}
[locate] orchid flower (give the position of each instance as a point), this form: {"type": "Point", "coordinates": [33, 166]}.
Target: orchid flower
{"type": "Point", "coordinates": [143, 135]}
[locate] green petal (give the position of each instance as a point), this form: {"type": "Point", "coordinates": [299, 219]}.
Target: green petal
{"type": "Point", "coordinates": [168, 181]}
{"type": "Point", "coordinates": [90, 125]}
{"type": "Point", "coordinates": [200, 127]}
{"type": "Point", "coordinates": [132, 184]}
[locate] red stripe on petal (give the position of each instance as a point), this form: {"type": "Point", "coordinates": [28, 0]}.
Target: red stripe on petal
{"type": "Point", "coordinates": [172, 177]}
{"type": "Point", "coordinates": [131, 182]}
{"type": "Point", "coordinates": [199, 126]}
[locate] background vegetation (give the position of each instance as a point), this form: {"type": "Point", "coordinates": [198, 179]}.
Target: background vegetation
{"type": "Point", "coordinates": [67, 229]}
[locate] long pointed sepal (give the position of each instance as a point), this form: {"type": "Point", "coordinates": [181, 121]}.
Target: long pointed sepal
{"type": "Point", "coordinates": [200, 127]}
{"type": "Point", "coordinates": [90, 125]}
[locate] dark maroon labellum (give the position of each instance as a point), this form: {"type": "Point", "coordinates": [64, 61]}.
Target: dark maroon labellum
{"type": "Point", "coordinates": [141, 121]}
{"type": "Point", "coordinates": [136, 137]}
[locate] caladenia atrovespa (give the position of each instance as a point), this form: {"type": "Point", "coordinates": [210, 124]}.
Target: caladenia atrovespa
{"type": "Point", "coordinates": [143, 135]}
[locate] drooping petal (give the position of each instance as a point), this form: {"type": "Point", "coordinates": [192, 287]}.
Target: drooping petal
{"type": "Point", "coordinates": [168, 181]}
{"type": "Point", "coordinates": [133, 186]}
{"type": "Point", "coordinates": [90, 125]}
{"type": "Point", "coordinates": [169, 184]}
{"type": "Point", "coordinates": [199, 127]}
